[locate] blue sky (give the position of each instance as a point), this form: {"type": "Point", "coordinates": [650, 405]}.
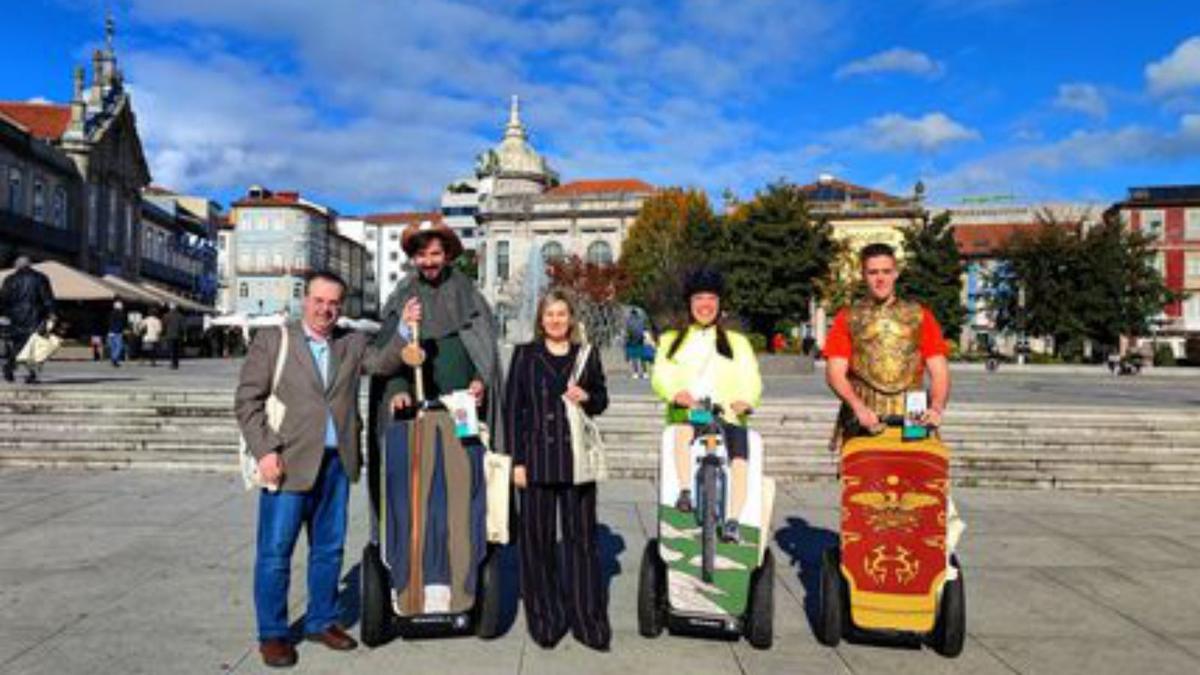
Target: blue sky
{"type": "Point", "coordinates": [377, 104]}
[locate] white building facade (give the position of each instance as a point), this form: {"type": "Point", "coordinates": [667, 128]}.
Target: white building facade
{"type": "Point", "coordinates": [528, 218]}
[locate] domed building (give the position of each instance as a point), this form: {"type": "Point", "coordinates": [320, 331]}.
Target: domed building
{"type": "Point", "coordinates": [528, 217]}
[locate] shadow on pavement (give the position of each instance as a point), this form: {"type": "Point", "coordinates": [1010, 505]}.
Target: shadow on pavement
{"type": "Point", "coordinates": [611, 546]}
{"type": "Point", "coordinates": [804, 545]}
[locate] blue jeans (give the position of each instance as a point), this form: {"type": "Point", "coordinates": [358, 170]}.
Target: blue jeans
{"type": "Point", "coordinates": [116, 347]}
{"type": "Point", "coordinates": [280, 516]}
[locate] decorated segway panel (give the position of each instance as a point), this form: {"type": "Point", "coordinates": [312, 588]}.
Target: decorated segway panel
{"type": "Point", "coordinates": [706, 574]}
{"type": "Point", "coordinates": [894, 529]}
{"type": "Point", "coordinates": [433, 526]}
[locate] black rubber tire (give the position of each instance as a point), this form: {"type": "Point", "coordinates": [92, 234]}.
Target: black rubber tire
{"type": "Point", "coordinates": [708, 526]}
{"type": "Point", "coordinates": [950, 631]}
{"type": "Point", "coordinates": [832, 611]}
{"type": "Point", "coordinates": [652, 592]}
{"type": "Point", "coordinates": [377, 618]}
{"type": "Point", "coordinates": [760, 619]}
{"type": "Point", "coordinates": [488, 597]}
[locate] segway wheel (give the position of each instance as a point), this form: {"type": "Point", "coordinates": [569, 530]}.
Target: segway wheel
{"type": "Point", "coordinates": [831, 621]}
{"type": "Point", "coordinates": [950, 631]}
{"type": "Point", "coordinates": [760, 626]}
{"type": "Point", "coordinates": [376, 626]}
{"type": "Point", "coordinates": [652, 592]}
{"type": "Point", "coordinates": [488, 597]}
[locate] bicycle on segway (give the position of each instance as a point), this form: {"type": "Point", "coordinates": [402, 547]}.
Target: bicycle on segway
{"type": "Point", "coordinates": [891, 572]}
{"type": "Point", "coordinates": [694, 578]}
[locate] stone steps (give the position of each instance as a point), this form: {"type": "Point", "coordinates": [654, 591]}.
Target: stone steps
{"type": "Point", "coordinates": [998, 446]}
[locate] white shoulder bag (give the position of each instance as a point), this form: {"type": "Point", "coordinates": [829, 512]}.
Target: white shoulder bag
{"type": "Point", "coordinates": [275, 410]}
{"type": "Point", "coordinates": [589, 459]}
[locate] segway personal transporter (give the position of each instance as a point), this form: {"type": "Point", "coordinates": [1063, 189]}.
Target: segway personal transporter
{"type": "Point", "coordinates": [691, 580]}
{"type": "Point", "coordinates": [891, 573]}
{"type": "Point", "coordinates": [431, 567]}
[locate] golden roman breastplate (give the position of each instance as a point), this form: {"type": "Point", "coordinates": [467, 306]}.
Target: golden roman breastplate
{"type": "Point", "coordinates": [886, 356]}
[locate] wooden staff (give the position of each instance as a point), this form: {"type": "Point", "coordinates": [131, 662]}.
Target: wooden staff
{"type": "Point", "coordinates": [414, 356]}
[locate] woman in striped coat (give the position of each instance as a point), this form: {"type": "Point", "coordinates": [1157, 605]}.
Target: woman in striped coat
{"type": "Point", "coordinates": [539, 439]}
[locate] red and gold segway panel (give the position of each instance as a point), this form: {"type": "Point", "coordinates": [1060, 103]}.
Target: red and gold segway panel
{"type": "Point", "coordinates": [894, 530]}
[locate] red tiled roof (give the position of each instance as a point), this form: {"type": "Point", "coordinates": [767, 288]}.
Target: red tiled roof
{"type": "Point", "coordinates": [989, 239]}
{"type": "Point", "coordinates": [43, 120]}
{"type": "Point", "coordinates": [403, 217]}
{"type": "Point", "coordinates": [600, 186]}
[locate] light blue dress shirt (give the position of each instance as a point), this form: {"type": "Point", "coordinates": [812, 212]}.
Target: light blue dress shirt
{"type": "Point", "coordinates": [320, 354]}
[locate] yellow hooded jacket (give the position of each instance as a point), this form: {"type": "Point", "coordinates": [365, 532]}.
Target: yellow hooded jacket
{"type": "Point", "coordinates": [735, 379]}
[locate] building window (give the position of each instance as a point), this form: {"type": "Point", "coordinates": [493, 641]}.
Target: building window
{"type": "Point", "coordinates": [277, 261]}
{"type": "Point", "coordinates": [39, 200]}
{"type": "Point", "coordinates": [394, 256]}
{"type": "Point", "coordinates": [393, 277]}
{"type": "Point", "coordinates": [1152, 223]}
{"type": "Point", "coordinates": [1191, 310]}
{"type": "Point", "coordinates": [128, 227]}
{"type": "Point", "coordinates": [600, 253]}
{"type": "Point", "coordinates": [93, 215]}
{"type": "Point", "coordinates": [221, 243]}
{"type": "Point", "coordinates": [14, 190]}
{"type": "Point", "coordinates": [394, 235]}
{"type": "Point", "coordinates": [1192, 225]}
{"type": "Point", "coordinates": [58, 213]}
{"type": "Point", "coordinates": [502, 261]}
{"type": "Point", "coordinates": [298, 290]}
{"type": "Point", "coordinates": [244, 290]}
{"type": "Point", "coordinates": [260, 262]}
{"type": "Point", "coordinates": [111, 231]}
{"type": "Point", "coordinates": [551, 251]}
{"type": "Point", "coordinates": [1193, 264]}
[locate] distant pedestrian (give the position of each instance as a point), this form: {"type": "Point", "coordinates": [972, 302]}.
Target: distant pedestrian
{"type": "Point", "coordinates": [174, 332]}
{"type": "Point", "coordinates": [28, 301]}
{"type": "Point", "coordinates": [150, 329]}
{"type": "Point", "coordinates": [635, 343]}
{"type": "Point", "coordinates": [117, 322]}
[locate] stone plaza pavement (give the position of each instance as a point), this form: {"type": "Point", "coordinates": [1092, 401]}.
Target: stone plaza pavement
{"type": "Point", "coordinates": [144, 572]}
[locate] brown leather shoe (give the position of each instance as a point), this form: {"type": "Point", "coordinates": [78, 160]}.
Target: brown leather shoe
{"type": "Point", "coordinates": [277, 653]}
{"type": "Point", "coordinates": [335, 638]}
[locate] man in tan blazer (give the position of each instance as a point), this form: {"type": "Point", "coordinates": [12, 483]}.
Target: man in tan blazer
{"type": "Point", "coordinates": [312, 459]}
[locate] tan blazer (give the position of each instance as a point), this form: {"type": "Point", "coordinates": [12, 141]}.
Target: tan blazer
{"type": "Point", "coordinates": [301, 437]}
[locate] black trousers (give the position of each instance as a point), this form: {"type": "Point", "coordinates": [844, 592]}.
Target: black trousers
{"type": "Point", "coordinates": [16, 342]}
{"type": "Point", "coordinates": [571, 594]}
{"type": "Point", "coordinates": [173, 346]}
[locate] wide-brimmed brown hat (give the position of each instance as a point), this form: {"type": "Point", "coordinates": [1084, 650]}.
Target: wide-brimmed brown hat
{"type": "Point", "coordinates": [450, 240]}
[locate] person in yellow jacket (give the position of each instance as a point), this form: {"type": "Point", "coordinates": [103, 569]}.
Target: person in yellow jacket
{"type": "Point", "coordinates": [702, 360]}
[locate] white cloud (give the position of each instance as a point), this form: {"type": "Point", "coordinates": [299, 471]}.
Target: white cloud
{"type": "Point", "coordinates": [894, 60]}
{"type": "Point", "coordinates": [894, 132]}
{"type": "Point", "coordinates": [1083, 98]}
{"type": "Point", "coordinates": [1021, 169]}
{"type": "Point", "coordinates": [1178, 71]}
{"type": "Point", "coordinates": [384, 103]}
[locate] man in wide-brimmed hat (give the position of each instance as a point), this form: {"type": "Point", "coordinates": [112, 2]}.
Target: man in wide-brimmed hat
{"type": "Point", "coordinates": [456, 328]}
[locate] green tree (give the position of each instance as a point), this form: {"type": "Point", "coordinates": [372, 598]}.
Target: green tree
{"type": "Point", "coordinates": [674, 231]}
{"type": "Point", "coordinates": [775, 256]}
{"type": "Point", "coordinates": [932, 272]}
{"type": "Point", "coordinates": [1041, 268]}
{"type": "Point", "coordinates": [1123, 289]}
{"type": "Point", "coordinates": [1079, 285]}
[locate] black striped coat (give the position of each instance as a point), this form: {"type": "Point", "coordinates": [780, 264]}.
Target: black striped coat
{"type": "Point", "coordinates": [538, 436]}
